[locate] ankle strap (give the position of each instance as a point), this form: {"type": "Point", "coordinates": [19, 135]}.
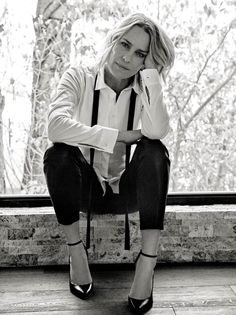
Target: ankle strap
{"type": "Point", "coordinates": [151, 256]}
{"type": "Point", "coordinates": [73, 244]}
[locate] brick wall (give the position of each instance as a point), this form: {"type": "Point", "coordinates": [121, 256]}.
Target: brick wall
{"type": "Point", "coordinates": [32, 236]}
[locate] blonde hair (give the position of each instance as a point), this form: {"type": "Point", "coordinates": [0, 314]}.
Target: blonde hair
{"type": "Point", "coordinates": [161, 46]}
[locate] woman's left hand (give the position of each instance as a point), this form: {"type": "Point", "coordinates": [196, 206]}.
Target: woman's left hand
{"type": "Point", "coordinates": [129, 136]}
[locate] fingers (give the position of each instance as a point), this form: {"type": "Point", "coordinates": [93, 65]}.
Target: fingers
{"type": "Point", "coordinates": [149, 62]}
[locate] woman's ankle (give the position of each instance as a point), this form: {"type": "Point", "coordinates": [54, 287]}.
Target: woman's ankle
{"type": "Point", "coordinates": [79, 268]}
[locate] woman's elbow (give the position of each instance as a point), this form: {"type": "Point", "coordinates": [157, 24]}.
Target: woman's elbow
{"type": "Point", "coordinates": [53, 134]}
{"type": "Point", "coordinates": [156, 133]}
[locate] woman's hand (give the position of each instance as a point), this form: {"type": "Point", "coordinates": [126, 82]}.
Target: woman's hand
{"type": "Point", "coordinates": [129, 137]}
{"type": "Point", "coordinates": [149, 62]}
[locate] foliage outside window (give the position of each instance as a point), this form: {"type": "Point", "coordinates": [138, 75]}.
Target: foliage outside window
{"type": "Point", "coordinates": [36, 48]}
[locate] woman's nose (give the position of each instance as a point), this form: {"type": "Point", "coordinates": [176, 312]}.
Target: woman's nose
{"type": "Point", "coordinates": [126, 58]}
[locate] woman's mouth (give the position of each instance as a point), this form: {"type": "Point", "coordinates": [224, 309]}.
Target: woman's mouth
{"type": "Point", "coordinates": [120, 66]}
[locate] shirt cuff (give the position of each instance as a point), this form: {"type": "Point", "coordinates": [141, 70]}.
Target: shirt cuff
{"type": "Point", "coordinates": [109, 138]}
{"type": "Point", "coordinates": [150, 77]}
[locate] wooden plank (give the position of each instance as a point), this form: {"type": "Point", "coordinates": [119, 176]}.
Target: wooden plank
{"type": "Point", "coordinates": [105, 311]}
{"type": "Point", "coordinates": [23, 281]}
{"type": "Point", "coordinates": [201, 289]}
{"type": "Point", "coordinates": [194, 296]}
{"type": "Point", "coordinates": [217, 310]}
{"type": "Point", "coordinates": [108, 279]}
{"type": "Point", "coordinates": [233, 287]}
{"type": "Point", "coordinates": [160, 311]}
{"type": "Point", "coordinates": [47, 303]}
{"type": "Point", "coordinates": [55, 300]}
{"type": "Point", "coordinates": [167, 276]}
{"type": "Point", "coordinates": [178, 276]}
{"type": "Point", "coordinates": [170, 276]}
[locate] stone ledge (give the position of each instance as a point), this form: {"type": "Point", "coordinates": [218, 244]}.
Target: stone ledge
{"type": "Point", "coordinates": [32, 236]}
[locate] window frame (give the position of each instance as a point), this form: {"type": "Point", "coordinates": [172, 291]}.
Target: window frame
{"type": "Point", "coordinates": [173, 198]}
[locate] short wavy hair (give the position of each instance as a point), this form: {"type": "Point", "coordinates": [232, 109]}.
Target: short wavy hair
{"type": "Point", "coordinates": [161, 46]}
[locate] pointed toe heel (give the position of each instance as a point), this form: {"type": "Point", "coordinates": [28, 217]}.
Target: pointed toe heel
{"type": "Point", "coordinates": [141, 306]}
{"type": "Point", "coordinates": [82, 291]}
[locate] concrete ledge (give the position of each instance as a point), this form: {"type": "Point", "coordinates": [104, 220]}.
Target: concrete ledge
{"type": "Point", "coordinates": [32, 236]}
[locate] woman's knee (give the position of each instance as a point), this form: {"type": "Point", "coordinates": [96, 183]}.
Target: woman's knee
{"type": "Point", "coordinates": [63, 176]}
{"type": "Point", "coordinates": [153, 152]}
{"type": "Point", "coordinates": [61, 155]}
{"type": "Point", "coordinates": [61, 165]}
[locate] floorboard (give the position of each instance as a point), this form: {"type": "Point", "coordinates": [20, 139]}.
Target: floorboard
{"type": "Point", "coordinates": [204, 310]}
{"type": "Point", "coordinates": [178, 290]}
{"type": "Point", "coordinates": [233, 287]}
{"type": "Point", "coordinates": [107, 311]}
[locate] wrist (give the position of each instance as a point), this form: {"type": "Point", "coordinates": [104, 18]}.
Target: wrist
{"type": "Point", "coordinates": [120, 137]}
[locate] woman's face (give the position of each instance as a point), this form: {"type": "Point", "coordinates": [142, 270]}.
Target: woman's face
{"type": "Point", "coordinates": [128, 54]}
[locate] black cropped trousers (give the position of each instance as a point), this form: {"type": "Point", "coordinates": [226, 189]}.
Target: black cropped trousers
{"type": "Point", "coordinates": [144, 184]}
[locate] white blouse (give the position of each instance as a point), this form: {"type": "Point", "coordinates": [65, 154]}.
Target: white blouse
{"type": "Point", "coordinates": [69, 119]}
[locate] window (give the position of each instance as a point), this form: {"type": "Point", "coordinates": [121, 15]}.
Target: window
{"type": "Point", "coordinates": [200, 90]}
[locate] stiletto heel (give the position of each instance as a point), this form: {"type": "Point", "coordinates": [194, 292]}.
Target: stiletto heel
{"type": "Point", "coordinates": [141, 306]}
{"type": "Point", "coordinates": [82, 291]}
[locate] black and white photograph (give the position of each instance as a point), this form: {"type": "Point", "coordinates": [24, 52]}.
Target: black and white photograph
{"type": "Point", "coordinates": [117, 157]}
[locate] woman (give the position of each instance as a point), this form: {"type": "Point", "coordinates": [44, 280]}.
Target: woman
{"type": "Point", "coordinates": [88, 167]}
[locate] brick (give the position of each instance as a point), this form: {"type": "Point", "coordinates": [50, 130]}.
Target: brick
{"type": "Point", "coordinates": [14, 234]}
{"type": "Point", "coordinates": [191, 233]}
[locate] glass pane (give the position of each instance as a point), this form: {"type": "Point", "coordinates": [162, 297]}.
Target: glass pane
{"type": "Point", "coordinates": [199, 92]}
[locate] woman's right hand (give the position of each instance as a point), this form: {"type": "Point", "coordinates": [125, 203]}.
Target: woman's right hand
{"type": "Point", "coordinates": [130, 136]}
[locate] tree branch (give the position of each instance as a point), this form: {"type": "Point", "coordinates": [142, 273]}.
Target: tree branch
{"type": "Point", "coordinates": [210, 98]}
{"type": "Point", "coordinates": [205, 65]}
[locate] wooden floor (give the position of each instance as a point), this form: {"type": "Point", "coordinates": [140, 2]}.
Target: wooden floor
{"type": "Point", "coordinates": [179, 290]}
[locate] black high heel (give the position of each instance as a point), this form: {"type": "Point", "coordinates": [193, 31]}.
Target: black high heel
{"type": "Point", "coordinates": [141, 306]}
{"type": "Point", "coordinates": [82, 291]}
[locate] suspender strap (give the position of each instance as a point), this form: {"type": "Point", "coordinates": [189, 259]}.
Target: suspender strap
{"type": "Point", "coordinates": [94, 117]}
{"type": "Point", "coordinates": [130, 123]}
{"type": "Point", "coordinates": [128, 147]}
{"type": "Point", "coordinates": [93, 122]}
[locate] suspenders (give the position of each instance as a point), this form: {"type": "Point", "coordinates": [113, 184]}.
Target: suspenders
{"type": "Point", "coordinates": [128, 147]}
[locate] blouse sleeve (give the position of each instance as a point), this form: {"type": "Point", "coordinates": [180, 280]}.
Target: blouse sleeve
{"type": "Point", "coordinates": [63, 127]}
{"type": "Point", "coordinates": [154, 118]}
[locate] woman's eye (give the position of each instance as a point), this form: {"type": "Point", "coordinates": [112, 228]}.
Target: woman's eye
{"type": "Point", "coordinates": [140, 55]}
{"type": "Point", "coordinates": [124, 44]}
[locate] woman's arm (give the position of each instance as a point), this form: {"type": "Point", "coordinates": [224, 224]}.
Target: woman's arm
{"type": "Point", "coordinates": [62, 127]}
{"type": "Point", "coordinates": [130, 136]}
{"type": "Point", "coordinates": [155, 118]}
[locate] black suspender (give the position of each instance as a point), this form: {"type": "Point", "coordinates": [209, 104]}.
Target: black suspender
{"type": "Point", "coordinates": [93, 122]}
{"type": "Point", "coordinates": [130, 123]}
{"type": "Point", "coordinates": [94, 117]}
{"type": "Point", "coordinates": [128, 148]}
